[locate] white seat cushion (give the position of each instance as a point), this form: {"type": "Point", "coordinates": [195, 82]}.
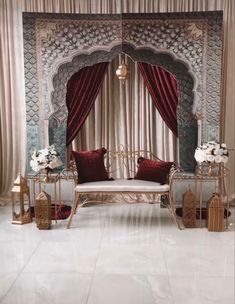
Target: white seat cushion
{"type": "Point", "coordinates": [122, 185]}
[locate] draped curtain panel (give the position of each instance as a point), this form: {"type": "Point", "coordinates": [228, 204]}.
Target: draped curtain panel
{"type": "Point", "coordinates": [163, 89]}
{"type": "Point", "coordinates": [124, 116]}
{"type": "Point", "coordinates": [82, 90]}
{"type": "Point", "coordinates": [12, 95]}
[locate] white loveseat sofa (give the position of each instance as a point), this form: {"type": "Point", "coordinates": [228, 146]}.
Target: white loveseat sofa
{"type": "Point", "coordinates": [123, 165]}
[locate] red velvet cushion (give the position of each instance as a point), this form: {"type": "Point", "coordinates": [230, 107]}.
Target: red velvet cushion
{"type": "Point", "coordinates": [152, 170]}
{"type": "Point", "coordinates": [90, 165]}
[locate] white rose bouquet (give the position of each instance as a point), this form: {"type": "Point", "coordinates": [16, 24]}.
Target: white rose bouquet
{"type": "Point", "coordinates": [46, 159]}
{"type": "Point", "coordinates": [211, 152]}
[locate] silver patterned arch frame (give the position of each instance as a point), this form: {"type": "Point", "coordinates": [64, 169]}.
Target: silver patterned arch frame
{"type": "Point", "coordinates": [172, 64]}
{"type": "Point", "coordinates": [189, 45]}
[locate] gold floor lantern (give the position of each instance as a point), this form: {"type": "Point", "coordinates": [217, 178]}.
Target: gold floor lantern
{"type": "Point", "coordinates": [43, 210]}
{"type": "Point", "coordinates": [19, 191]}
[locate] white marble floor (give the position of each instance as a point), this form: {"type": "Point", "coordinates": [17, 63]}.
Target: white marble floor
{"type": "Point", "coordinates": [120, 253]}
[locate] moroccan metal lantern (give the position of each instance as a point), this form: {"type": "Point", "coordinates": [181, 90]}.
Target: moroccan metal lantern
{"type": "Point", "coordinates": [18, 192]}
{"type": "Point", "coordinates": [215, 217]}
{"type": "Point", "coordinates": [43, 210]}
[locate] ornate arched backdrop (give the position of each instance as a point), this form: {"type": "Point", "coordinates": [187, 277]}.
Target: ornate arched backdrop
{"type": "Point", "coordinates": [189, 45]}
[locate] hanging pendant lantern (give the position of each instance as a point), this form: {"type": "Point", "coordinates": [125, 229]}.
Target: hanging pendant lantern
{"type": "Point", "coordinates": [122, 71]}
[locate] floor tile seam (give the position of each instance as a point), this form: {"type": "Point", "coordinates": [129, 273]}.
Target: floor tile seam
{"type": "Point", "coordinates": [93, 272]}
{"type": "Point", "coordinates": [77, 215]}
{"type": "Point", "coordinates": [17, 275]}
{"type": "Point", "coordinates": [140, 275]}
{"type": "Point", "coordinates": [200, 276]}
{"type": "Point", "coordinates": [20, 272]}
{"type": "Point", "coordinates": [20, 241]}
{"type": "Point", "coordinates": [197, 254]}
{"type": "Point", "coordinates": [58, 272]}
{"type": "Point", "coordinates": [101, 272]}
{"type": "Point", "coordinates": [167, 271]}
{"type": "Point", "coordinates": [131, 273]}
{"type": "Point", "coordinates": [163, 249]}
{"type": "Point", "coordinates": [122, 273]}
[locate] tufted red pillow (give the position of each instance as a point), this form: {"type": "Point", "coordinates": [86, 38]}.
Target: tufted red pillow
{"type": "Point", "coordinates": [152, 170]}
{"type": "Point", "coordinates": [90, 165]}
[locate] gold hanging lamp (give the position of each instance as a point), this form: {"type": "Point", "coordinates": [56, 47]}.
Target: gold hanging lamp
{"type": "Point", "coordinates": [122, 71]}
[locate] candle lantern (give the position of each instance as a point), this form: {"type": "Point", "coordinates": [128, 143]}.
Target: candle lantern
{"type": "Point", "coordinates": [189, 209]}
{"type": "Point", "coordinates": [43, 210]}
{"type": "Point", "coordinates": [19, 191]}
{"type": "Point", "coordinates": [215, 217]}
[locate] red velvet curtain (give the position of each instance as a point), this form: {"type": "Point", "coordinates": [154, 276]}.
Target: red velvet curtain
{"type": "Point", "coordinates": [163, 89]}
{"type": "Point", "coordinates": [82, 90]}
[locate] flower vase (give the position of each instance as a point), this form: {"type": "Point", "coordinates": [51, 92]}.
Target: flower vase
{"type": "Point", "coordinates": [210, 169]}
{"type": "Point", "coordinates": [47, 177]}
{"type": "Point", "coordinates": [214, 169]}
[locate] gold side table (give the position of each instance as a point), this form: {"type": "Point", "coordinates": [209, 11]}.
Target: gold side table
{"type": "Point", "coordinates": [217, 172]}
{"type": "Point", "coordinates": [54, 180]}
{"type": "Point", "coordinates": [206, 173]}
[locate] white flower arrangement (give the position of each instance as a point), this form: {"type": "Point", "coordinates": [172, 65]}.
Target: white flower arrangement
{"type": "Point", "coordinates": [45, 159]}
{"type": "Point", "coordinates": [211, 152]}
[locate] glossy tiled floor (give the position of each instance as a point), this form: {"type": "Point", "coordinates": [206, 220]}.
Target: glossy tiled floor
{"type": "Point", "coordinates": [115, 254]}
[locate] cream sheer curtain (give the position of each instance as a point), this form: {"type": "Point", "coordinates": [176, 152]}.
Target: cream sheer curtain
{"type": "Point", "coordinates": [125, 115]}
{"type": "Point", "coordinates": [12, 106]}
{"type": "Point", "coordinates": [12, 102]}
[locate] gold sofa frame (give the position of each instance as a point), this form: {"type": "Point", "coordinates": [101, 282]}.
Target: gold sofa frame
{"type": "Point", "coordinates": [128, 161]}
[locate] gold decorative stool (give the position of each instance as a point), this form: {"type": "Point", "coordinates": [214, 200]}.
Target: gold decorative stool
{"type": "Point", "coordinates": [189, 209]}
{"type": "Point", "coordinates": [43, 210]}
{"type": "Point", "coordinates": [19, 190]}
